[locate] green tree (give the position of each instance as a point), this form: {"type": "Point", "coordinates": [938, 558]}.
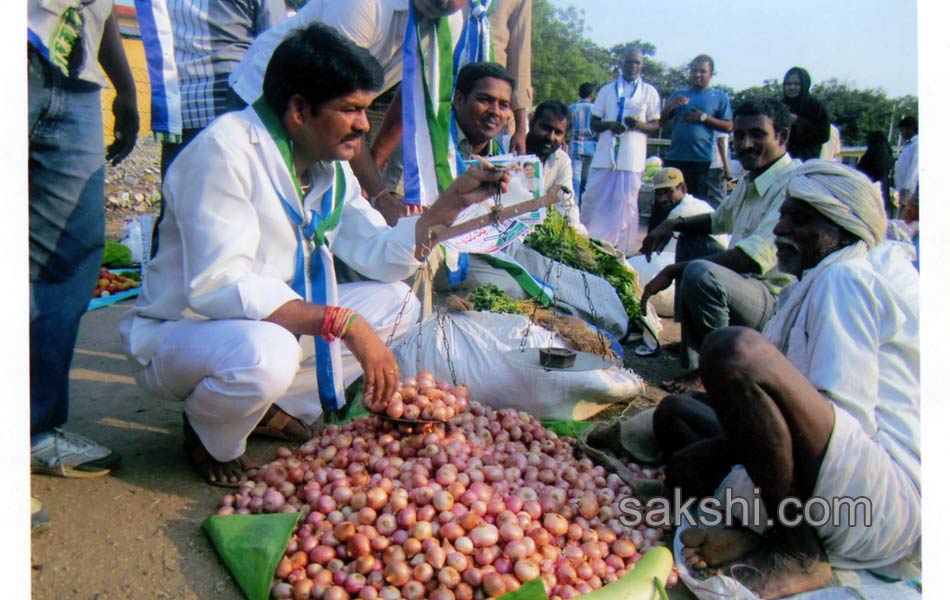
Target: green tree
{"type": "Point", "coordinates": [856, 112]}
{"type": "Point", "coordinates": [562, 57]}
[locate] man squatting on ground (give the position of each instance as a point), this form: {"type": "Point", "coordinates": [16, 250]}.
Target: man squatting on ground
{"type": "Point", "coordinates": [737, 286]}
{"type": "Point", "coordinates": [824, 403]}
{"type": "Point", "coordinates": [227, 294]}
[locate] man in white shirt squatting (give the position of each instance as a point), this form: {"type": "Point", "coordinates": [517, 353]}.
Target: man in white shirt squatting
{"type": "Point", "coordinates": [823, 404]}
{"type": "Point", "coordinates": [625, 112]}
{"type": "Point", "coordinates": [255, 206]}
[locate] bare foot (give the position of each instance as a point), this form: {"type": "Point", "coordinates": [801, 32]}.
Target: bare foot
{"type": "Point", "coordinates": [783, 563]}
{"type": "Point", "coordinates": [690, 382]}
{"type": "Point", "coordinates": [704, 548]}
{"type": "Point", "coordinates": [222, 474]}
{"type": "Point", "coordinates": [772, 573]}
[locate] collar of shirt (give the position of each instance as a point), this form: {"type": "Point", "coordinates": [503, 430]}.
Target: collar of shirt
{"type": "Point", "coordinates": [625, 83]}
{"type": "Point", "coordinates": [765, 179]}
{"type": "Point", "coordinates": [465, 146]}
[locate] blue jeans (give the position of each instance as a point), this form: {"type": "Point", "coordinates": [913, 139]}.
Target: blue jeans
{"type": "Point", "coordinates": [711, 296]}
{"type": "Point", "coordinates": [694, 174]}
{"type": "Point", "coordinates": [715, 187]}
{"type": "Point", "coordinates": [67, 228]}
{"type": "Point", "coordinates": [580, 165]}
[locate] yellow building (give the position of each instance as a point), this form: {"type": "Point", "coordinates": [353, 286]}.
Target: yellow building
{"type": "Point", "coordinates": [135, 52]}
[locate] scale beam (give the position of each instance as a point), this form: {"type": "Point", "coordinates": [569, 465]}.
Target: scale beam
{"type": "Point", "coordinates": [441, 233]}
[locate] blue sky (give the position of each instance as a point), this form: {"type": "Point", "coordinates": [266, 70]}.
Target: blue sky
{"type": "Point", "coordinates": [867, 43]}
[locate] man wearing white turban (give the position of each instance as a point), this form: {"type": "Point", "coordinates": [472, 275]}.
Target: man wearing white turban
{"type": "Point", "coordinates": [819, 411]}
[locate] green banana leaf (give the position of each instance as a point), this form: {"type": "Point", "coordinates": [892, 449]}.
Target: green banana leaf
{"type": "Point", "coordinates": [251, 546]}
{"type": "Point", "coordinates": [530, 590]}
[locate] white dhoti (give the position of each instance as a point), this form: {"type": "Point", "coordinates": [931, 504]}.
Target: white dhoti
{"type": "Point", "coordinates": [856, 473]}
{"type": "Point", "coordinates": [229, 372]}
{"type": "Point", "coordinates": [609, 208]}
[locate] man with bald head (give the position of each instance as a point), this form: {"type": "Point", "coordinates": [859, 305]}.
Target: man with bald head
{"type": "Point", "coordinates": [823, 404]}
{"type": "Point", "coordinates": [625, 112]}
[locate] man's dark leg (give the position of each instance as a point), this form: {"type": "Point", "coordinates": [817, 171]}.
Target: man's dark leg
{"type": "Point", "coordinates": [694, 175]}
{"type": "Point", "coordinates": [778, 427]}
{"type": "Point", "coordinates": [684, 419]}
{"type": "Point", "coordinates": [715, 187]}
{"type": "Point", "coordinates": [692, 443]}
{"type": "Point", "coordinates": [585, 171]}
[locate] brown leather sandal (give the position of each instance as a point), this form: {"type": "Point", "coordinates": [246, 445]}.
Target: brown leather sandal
{"type": "Point", "coordinates": [278, 424]}
{"type": "Point", "coordinates": [205, 464]}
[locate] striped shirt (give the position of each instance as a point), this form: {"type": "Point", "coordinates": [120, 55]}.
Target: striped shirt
{"type": "Point", "coordinates": [211, 37]}
{"type": "Point", "coordinates": [583, 140]}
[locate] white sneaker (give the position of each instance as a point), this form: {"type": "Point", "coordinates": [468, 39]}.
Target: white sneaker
{"type": "Point", "coordinates": [71, 455]}
{"type": "Point", "coordinates": [39, 518]}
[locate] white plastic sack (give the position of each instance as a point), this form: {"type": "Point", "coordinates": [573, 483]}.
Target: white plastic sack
{"type": "Point", "coordinates": [611, 316]}
{"type": "Point", "coordinates": [138, 237]}
{"type": "Point", "coordinates": [662, 302]}
{"type": "Point", "coordinates": [477, 343]}
{"type": "Point", "coordinates": [846, 585]}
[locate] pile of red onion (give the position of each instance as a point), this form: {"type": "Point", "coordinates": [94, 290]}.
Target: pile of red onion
{"type": "Point", "coordinates": [466, 510]}
{"type": "Point", "coordinates": [422, 398]}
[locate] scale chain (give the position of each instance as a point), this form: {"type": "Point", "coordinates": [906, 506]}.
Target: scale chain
{"type": "Point", "coordinates": [445, 344]}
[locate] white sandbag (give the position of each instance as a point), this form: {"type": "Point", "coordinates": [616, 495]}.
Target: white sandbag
{"type": "Point", "coordinates": [846, 584]}
{"type": "Point", "coordinates": [477, 343]}
{"type": "Point", "coordinates": [663, 301]}
{"type": "Point", "coordinates": [611, 316]}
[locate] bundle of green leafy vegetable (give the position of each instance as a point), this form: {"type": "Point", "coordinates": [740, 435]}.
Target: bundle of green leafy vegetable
{"type": "Point", "coordinates": [490, 297]}
{"type": "Point", "coordinates": [557, 240]}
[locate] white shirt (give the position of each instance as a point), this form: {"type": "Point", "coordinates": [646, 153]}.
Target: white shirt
{"type": "Point", "coordinates": [644, 106]}
{"type": "Point", "coordinates": [716, 162]}
{"type": "Point", "coordinates": [377, 25]}
{"type": "Point", "coordinates": [857, 340]}
{"type": "Point", "coordinates": [905, 170]}
{"type": "Point", "coordinates": [832, 148]}
{"type": "Point", "coordinates": [558, 170]}
{"type": "Point", "coordinates": [690, 206]}
{"type": "Point", "coordinates": [227, 248]}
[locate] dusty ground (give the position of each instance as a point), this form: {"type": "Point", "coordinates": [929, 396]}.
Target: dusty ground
{"type": "Point", "coordinates": [137, 534]}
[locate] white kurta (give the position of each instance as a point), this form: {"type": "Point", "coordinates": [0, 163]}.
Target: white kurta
{"type": "Point", "coordinates": [609, 208]}
{"type": "Point", "coordinates": [644, 106]}
{"type": "Point", "coordinates": [690, 206]}
{"type": "Point", "coordinates": [857, 340]}
{"type": "Point", "coordinates": [558, 171]}
{"type": "Point", "coordinates": [905, 169]}
{"type": "Point", "coordinates": [227, 253]}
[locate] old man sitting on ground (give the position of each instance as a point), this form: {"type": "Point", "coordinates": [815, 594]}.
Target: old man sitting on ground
{"type": "Point", "coordinates": [823, 404]}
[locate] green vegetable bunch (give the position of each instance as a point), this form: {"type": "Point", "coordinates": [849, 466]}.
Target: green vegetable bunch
{"type": "Point", "coordinates": [491, 298]}
{"type": "Point", "coordinates": [557, 240]}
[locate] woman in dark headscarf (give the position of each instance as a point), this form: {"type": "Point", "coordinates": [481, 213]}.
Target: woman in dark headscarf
{"type": "Point", "coordinates": [810, 126]}
{"type": "Point", "coordinates": [877, 163]}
